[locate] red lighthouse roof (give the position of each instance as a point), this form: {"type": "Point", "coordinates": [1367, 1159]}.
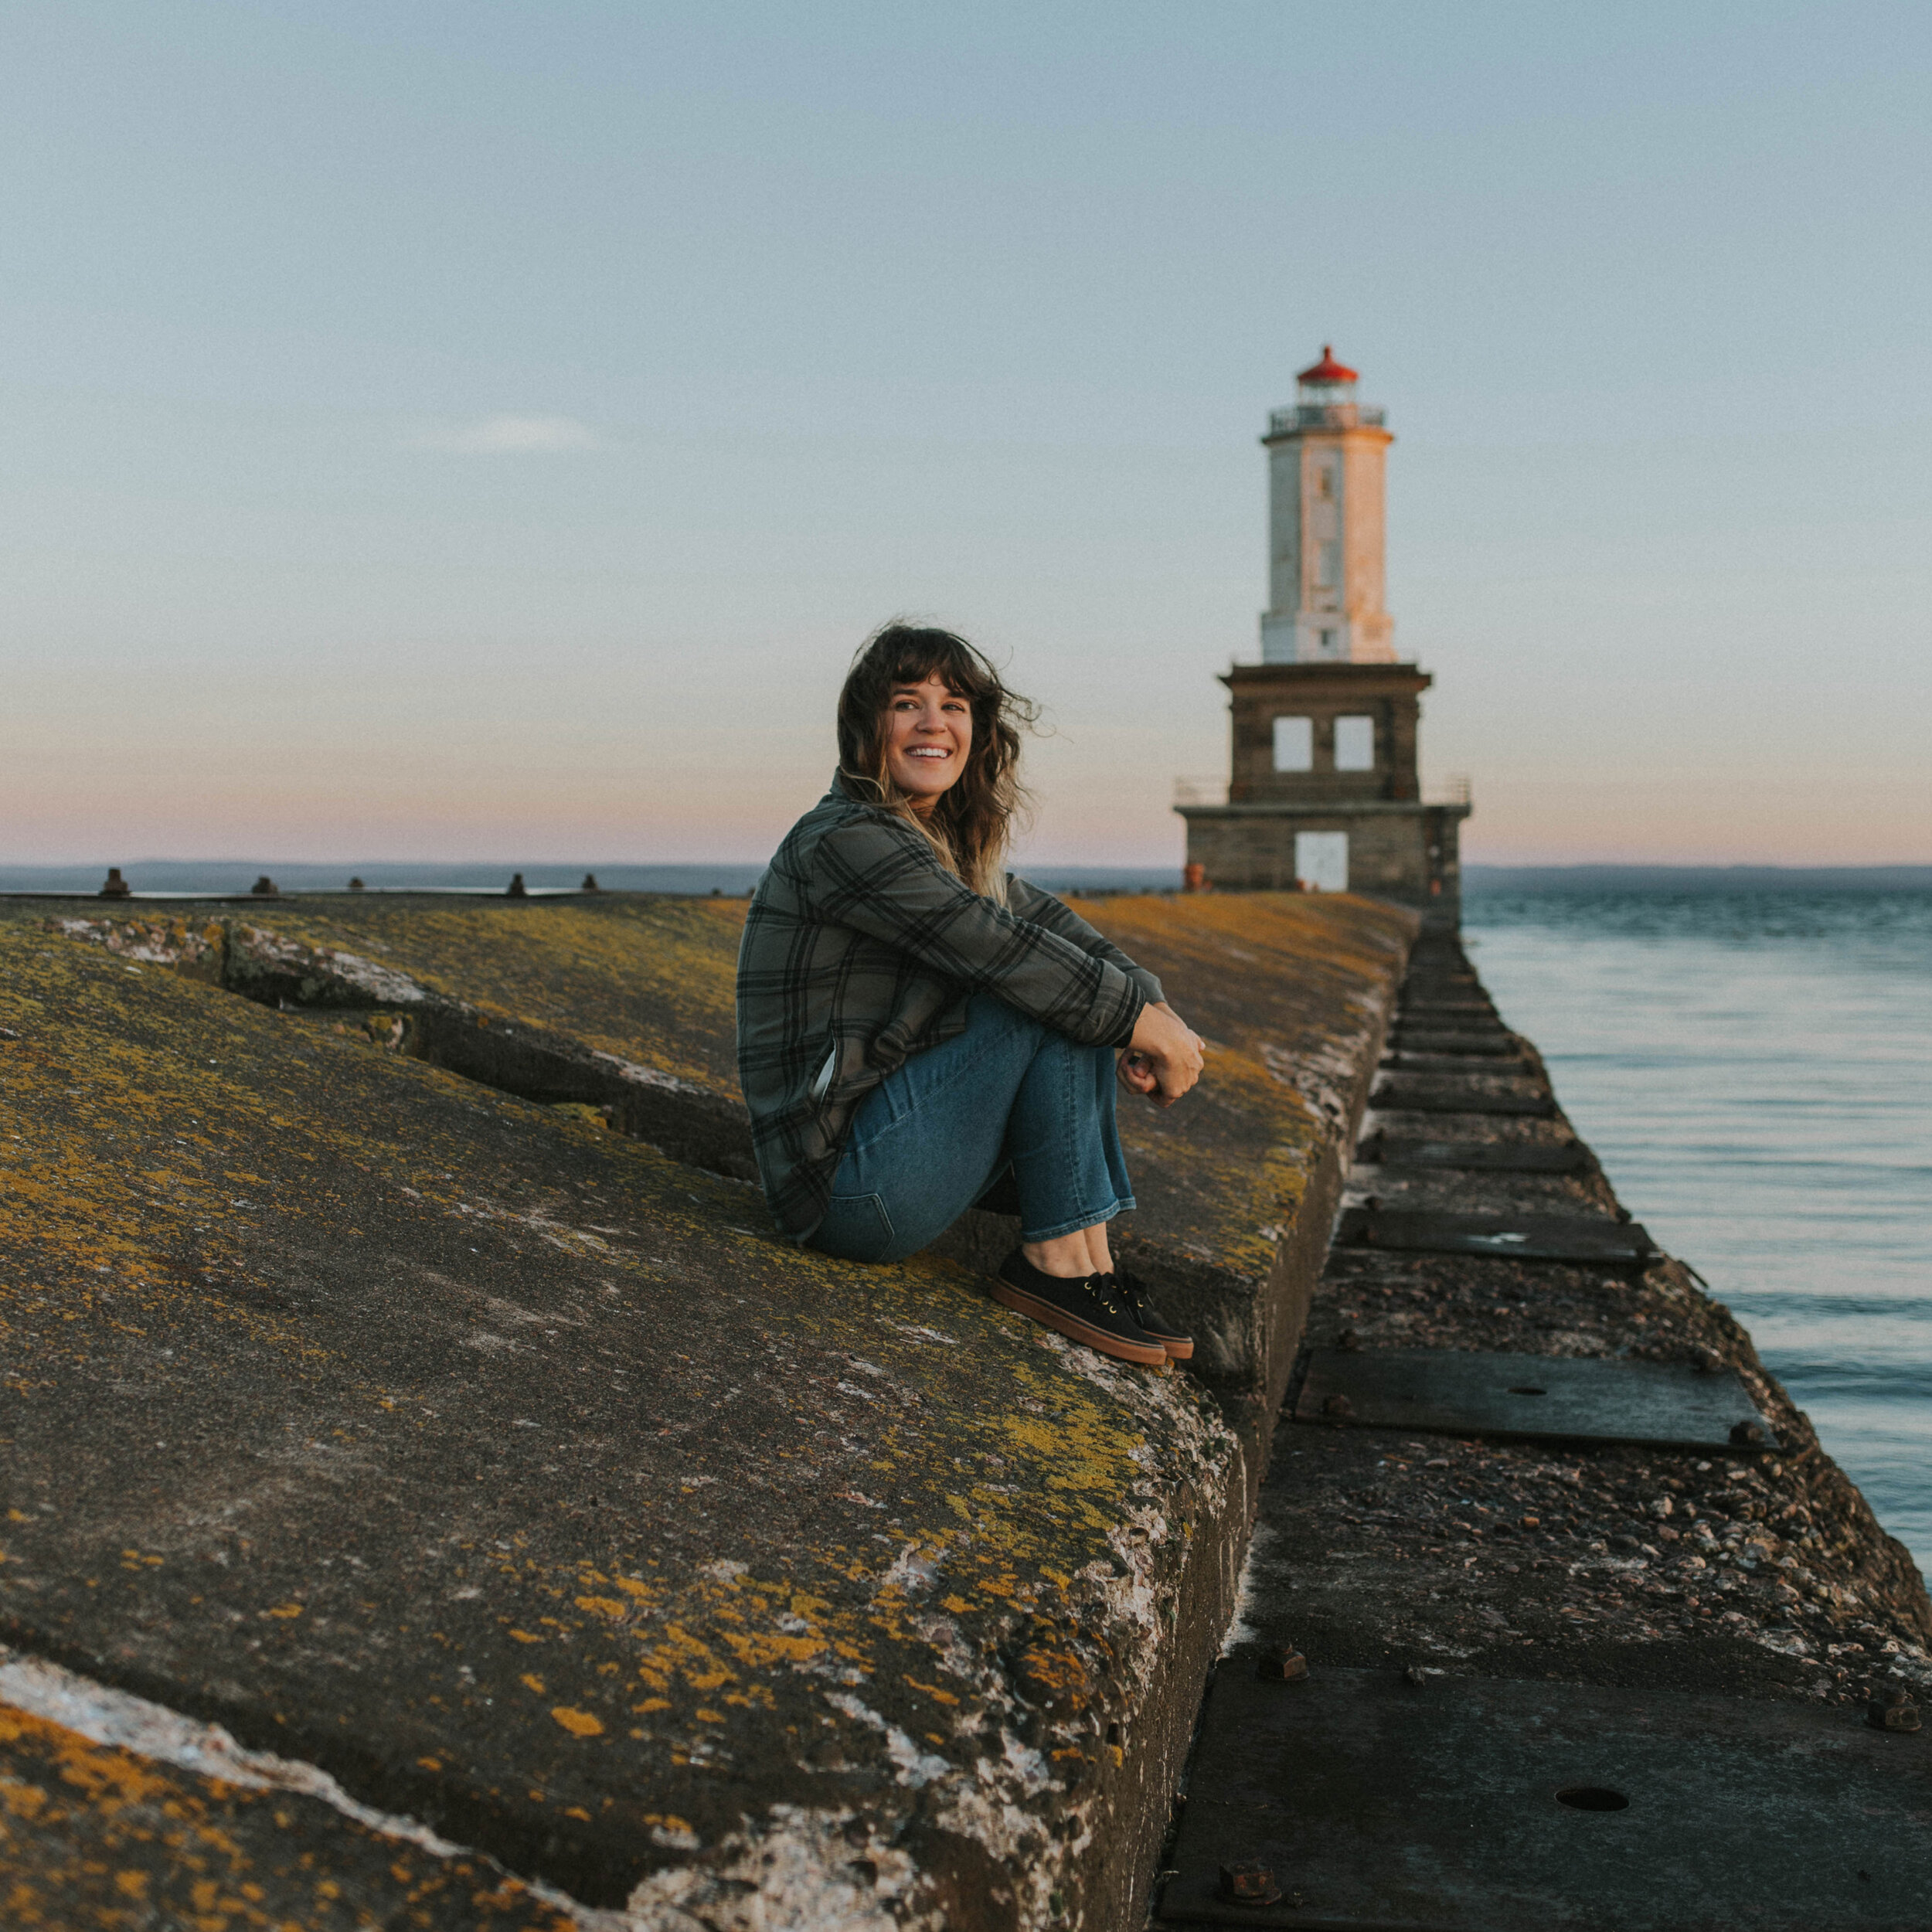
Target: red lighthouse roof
{"type": "Point", "coordinates": [1328, 369]}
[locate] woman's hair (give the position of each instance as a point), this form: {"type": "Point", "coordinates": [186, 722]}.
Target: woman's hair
{"type": "Point", "coordinates": [969, 824]}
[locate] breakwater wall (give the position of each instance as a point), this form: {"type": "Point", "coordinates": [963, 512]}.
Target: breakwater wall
{"type": "Point", "coordinates": [434, 1496]}
{"type": "Point", "coordinates": [1556, 1613]}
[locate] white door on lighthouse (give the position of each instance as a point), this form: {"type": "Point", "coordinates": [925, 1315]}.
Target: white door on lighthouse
{"type": "Point", "coordinates": [1322, 861]}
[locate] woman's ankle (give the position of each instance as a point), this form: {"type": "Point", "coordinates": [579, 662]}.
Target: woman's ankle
{"type": "Point", "coordinates": [1064, 1255]}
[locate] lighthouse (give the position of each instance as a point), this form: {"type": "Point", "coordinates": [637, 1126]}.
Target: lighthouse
{"type": "Point", "coordinates": [1326, 465]}
{"type": "Point", "coordinates": [1323, 792]}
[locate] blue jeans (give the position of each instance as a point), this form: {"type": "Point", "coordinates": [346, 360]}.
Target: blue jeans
{"type": "Point", "coordinates": [931, 1138]}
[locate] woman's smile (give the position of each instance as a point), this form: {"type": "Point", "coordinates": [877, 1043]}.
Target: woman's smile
{"type": "Point", "coordinates": [929, 732]}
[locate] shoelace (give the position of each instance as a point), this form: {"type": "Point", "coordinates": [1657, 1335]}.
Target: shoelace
{"type": "Point", "coordinates": [1106, 1290]}
{"type": "Point", "coordinates": [1125, 1300]}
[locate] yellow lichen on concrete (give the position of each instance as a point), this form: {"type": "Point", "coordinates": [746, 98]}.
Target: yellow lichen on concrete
{"type": "Point", "coordinates": [503, 1465]}
{"type": "Point", "coordinates": [1288, 987]}
{"type": "Point", "coordinates": [95, 1839]}
{"type": "Point", "coordinates": [421, 1335]}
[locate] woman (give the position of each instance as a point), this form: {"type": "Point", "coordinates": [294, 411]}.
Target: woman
{"type": "Point", "coordinates": [914, 1023]}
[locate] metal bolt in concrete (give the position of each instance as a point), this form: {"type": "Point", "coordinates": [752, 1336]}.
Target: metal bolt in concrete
{"type": "Point", "coordinates": [1249, 1882]}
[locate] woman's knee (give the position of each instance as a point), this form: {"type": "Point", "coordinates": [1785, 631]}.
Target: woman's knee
{"type": "Point", "coordinates": [1084, 1066]}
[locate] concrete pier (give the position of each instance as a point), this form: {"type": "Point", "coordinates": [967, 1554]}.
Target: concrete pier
{"type": "Point", "coordinates": [418, 1443]}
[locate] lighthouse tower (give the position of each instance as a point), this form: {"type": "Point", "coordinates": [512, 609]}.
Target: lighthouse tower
{"type": "Point", "coordinates": [1324, 792]}
{"type": "Point", "coordinates": [1325, 575]}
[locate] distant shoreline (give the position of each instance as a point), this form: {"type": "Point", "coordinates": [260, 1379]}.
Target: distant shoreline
{"type": "Point", "coordinates": [225, 876]}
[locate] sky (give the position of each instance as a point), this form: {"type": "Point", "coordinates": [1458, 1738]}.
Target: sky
{"type": "Point", "coordinates": [484, 431]}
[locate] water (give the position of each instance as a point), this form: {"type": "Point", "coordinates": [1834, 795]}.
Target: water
{"type": "Point", "coordinates": [1754, 1068]}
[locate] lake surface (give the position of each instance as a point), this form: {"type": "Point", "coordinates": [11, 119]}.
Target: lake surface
{"type": "Point", "coordinates": [1754, 1069]}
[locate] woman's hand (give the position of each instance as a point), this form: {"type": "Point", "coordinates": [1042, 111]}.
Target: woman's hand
{"type": "Point", "coordinates": [1163, 1060]}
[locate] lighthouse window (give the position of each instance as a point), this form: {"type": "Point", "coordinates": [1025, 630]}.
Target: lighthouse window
{"type": "Point", "coordinates": [1324, 481]}
{"type": "Point", "coordinates": [1328, 573]}
{"type": "Point", "coordinates": [1294, 744]}
{"type": "Point", "coordinates": [1355, 744]}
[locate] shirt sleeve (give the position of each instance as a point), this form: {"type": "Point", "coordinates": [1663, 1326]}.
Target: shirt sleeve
{"type": "Point", "coordinates": [881, 878]}
{"type": "Point", "coordinates": [1038, 907]}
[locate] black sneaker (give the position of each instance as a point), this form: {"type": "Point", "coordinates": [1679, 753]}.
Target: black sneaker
{"type": "Point", "coordinates": [1088, 1308]}
{"type": "Point", "coordinates": [1150, 1319]}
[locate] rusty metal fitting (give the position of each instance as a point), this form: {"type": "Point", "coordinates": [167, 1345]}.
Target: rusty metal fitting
{"type": "Point", "coordinates": [1893, 1709]}
{"type": "Point", "coordinates": [1283, 1667]}
{"type": "Point", "coordinates": [1249, 1882]}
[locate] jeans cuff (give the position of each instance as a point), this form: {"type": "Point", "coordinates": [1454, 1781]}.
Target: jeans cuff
{"type": "Point", "coordinates": [1084, 1221]}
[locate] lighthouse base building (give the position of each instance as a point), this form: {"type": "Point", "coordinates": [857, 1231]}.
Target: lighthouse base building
{"type": "Point", "coordinates": [1323, 793]}
{"type": "Point", "coordinates": [1323, 789]}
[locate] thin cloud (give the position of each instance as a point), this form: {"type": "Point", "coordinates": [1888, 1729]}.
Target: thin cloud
{"type": "Point", "coordinates": [515, 435]}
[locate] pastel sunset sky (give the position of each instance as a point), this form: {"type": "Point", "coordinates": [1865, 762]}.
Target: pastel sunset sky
{"type": "Point", "coordinates": [480, 430]}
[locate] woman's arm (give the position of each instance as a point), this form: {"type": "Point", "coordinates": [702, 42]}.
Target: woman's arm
{"type": "Point", "coordinates": [882, 879]}
{"type": "Point", "coordinates": [1165, 1058]}
{"type": "Point", "coordinates": [1034, 904]}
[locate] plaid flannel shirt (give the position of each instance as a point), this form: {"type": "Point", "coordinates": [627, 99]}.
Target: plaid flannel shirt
{"type": "Point", "coordinates": [860, 950]}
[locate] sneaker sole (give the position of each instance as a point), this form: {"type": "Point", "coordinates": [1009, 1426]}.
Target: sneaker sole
{"type": "Point", "coordinates": [1177, 1351]}
{"type": "Point", "coordinates": [1074, 1328]}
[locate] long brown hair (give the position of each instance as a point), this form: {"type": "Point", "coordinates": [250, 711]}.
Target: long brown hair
{"type": "Point", "coordinates": [970, 824]}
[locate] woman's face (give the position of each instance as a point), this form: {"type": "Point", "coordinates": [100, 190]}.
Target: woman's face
{"type": "Point", "coordinates": [929, 731]}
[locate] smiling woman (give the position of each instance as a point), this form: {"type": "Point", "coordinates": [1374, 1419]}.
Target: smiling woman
{"type": "Point", "coordinates": [928, 730]}
{"type": "Point", "coordinates": [915, 1023]}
